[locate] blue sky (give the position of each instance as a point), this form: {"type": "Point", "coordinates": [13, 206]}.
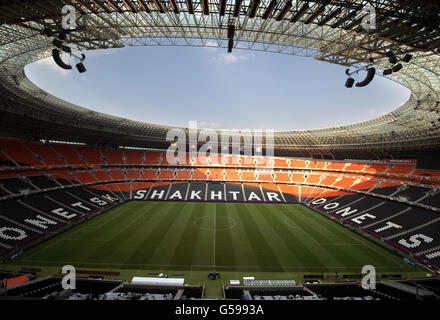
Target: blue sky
{"type": "Point", "coordinates": [245, 89]}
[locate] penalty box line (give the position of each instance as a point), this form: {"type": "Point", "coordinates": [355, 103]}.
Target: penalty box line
{"type": "Point", "coordinates": [141, 216]}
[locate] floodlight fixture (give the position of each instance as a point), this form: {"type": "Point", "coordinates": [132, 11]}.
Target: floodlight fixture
{"type": "Point", "coordinates": [56, 54]}
{"type": "Point", "coordinates": [81, 68]}
{"type": "Point", "coordinates": [349, 83]}
{"type": "Point", "coordinates": [48, 32]}
{"type": "Point", "coordinates": [397, 67]}
{"type": "Point", "coordinates": [57, 43]}
{"type": "Point", "coordinates": [371, 72]}
{"type": "Point", "coordinates": [63, 35]}
{"type": "Point", "coordinates": [393, 60]}
{"type": "Point", "coordinates": [407, 58]}
{"type": "Point", "coordinates": [389, 54]}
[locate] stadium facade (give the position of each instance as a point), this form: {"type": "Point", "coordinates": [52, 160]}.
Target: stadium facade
{"type": "Point", "coordinates": [324, 30]}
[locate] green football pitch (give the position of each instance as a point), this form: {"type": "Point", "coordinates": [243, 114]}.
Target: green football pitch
{"type": "Point", "coordinates": [213, 237]}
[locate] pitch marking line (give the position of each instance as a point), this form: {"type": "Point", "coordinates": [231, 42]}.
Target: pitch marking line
{"type": "Point", "coordinates": [293, 225]}
{"type": "Point", "coordinates": [142, 216]}
{"type": "Point", "coordinates": [358, 239]}
{"type": "Point", "coordinates": [99, 224]}
{"type": "Point", "coordinates": [196, 265]}
{"type": "Point", "coordinates": [132, 223]}
{"type": "Point", "coordinates": [96, 220]}
{"type": "Point", "coordinates": [232, 221]}
{"type": "Point", "coordinates": [215, 218]}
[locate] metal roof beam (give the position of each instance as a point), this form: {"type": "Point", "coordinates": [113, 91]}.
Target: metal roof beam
{"type": "Point", "coordinates": [114, 5]}
{"type": "Point", "coordinates": [300, 13]}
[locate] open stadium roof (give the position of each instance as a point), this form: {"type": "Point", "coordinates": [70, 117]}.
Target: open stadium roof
{"type": "Point", "coordinates": [326, 30]}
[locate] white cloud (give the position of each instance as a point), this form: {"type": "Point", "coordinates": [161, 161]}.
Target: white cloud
{"type": "Point", "coordinates": [210, 44]}
{"type": "Point", "coordinates": [230, 58]}
{"type": "Point", "coordinates": [208, 125]}
{"type": "Point", "coordinates": [100, 52]}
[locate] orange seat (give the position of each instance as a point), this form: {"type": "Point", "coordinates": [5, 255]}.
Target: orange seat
{"type": "Point", "coordinates": [102, 175]}
{"type": "Point", "coordinates": [85, 177]}
{"type": "Point", "coordinates": [20, 153]}
{"type": "Point", "coordinates": [93, 157]}
{"type": "Point", "coordinates": [113, 156]}
{"type": "Point", "coordinates": [133, 174]}
{"type": "Point", "coordinates": [282, 177]}
{"type": "Point", "coordinates": [375, 168]}
{"type": "Point", "coordinates": [153, 158]}
{"type": "Point", "coordinates": [401, 169]}
{"type": "Point", "coordinates": [149, 174]}
{"type": "Point", "coordinates": [46, 153]}
{"type": "Point", "coordinates": [356, 167]}
{"type": "Point", "coordinates": [337, 166]}
{"type": "Point", "coordinates": [232, 175]}
{"type": "Point", "coordinates": [280, 163]}
{"type": "Point", "coordinates": [166, 175]}
{"type": "Point", "coordinates": [134, 156]}
{"type": "Point", "coordinates": [69, 154]}
{"type": "Point", "coordinates": [117, 174]}
{"type": "Point", "coordinates": [215, 174]}
{"type": "Point", "coordinates": [248, 176]}
{"type": "Point", "coordinates": [199, 174]}
{"type": "Point", "coordinates": [183, 175]}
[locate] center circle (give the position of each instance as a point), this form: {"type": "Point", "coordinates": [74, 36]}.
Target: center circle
{"type": "Point", "coordinates": [221, 223]}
